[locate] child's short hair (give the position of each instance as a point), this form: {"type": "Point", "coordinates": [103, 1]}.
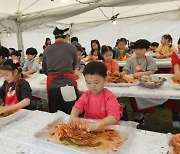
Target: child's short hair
{"type": "Point", "coordinates": [154, 44]}
{"type": "Point", "coordinates": [16, 53]}
{"type": "Point", "coordinates": [41, 55]}
{"type": "Point", "coordinates": [105, 49]}
{"type": "Point", "coordinates": [10, 65]}
{"type": "Point", "coordinates": [141, 44]}
{"type": "Point", "coordinates": [31, 51]}
{"type": "Point", "coordinates": [179, 41]}
{"type": "Point", "coordinates": [74, 39]}
{"type": "Point", "coordinates": [78, 46]}
{"type": "Point", "coordinates": [95, 68]}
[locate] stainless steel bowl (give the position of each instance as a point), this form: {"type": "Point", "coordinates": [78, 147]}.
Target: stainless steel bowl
{"type": "Point", "coordinates": [152, 81]}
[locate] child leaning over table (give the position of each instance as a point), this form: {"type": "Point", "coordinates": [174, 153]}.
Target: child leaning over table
{"type": "Point", "coordinates": [140, 65]}
{"type": "Point", "coordinates": [15, 92]}
{"type": "Point", "coordinates": [31, 65]}
{"type": "Point", "coordinates": [166, 48]}
{"type": "Point", "coordinates": [98, 102]}
{"type": "Point", "coordinates": [153, 46]}
{"type": "Point", "coordinates": [174, 105]}
{"type": "Point", "coordinates": [107, 56]}
{"type": "Point", "coordinates": [121, 48]}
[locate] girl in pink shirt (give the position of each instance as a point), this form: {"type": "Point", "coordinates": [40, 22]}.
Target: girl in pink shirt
{"type": "Point", "coordinates": [97, 102]}
{"type": "Point", "coordinates": [107, 54]}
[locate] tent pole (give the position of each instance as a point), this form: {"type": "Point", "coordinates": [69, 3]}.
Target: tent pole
{"type": "Point", "coordinates": [20, 42]}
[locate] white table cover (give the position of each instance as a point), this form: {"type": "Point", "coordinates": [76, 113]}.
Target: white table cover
{"type": "Point", "coordinates": [18, 138]}
{"type": "Point", "coordinates": [147, 97]}
{"type": "Point", "coordinates": [156, 96]}
{"type": "Point", "coordinates": [38, 85]}
{"type": "Point", "coordinates": [165, 91]}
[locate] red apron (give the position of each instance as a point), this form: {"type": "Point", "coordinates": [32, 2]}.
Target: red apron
{"type": "Point", "coordinates": [54, 76]}
{"type": "Point", "coordinates": [65, 75]}
{"type": "Point", "coordinates": [11, 97]}
{"type": "Point", "coordinates": [132, 99]}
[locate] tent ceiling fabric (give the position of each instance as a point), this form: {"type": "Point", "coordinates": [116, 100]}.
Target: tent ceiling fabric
{"type": "Point", "coordinates": [33, 14]}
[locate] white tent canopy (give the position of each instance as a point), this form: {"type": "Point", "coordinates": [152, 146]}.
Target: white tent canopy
{"type": "Point", "coordinates": [36, 13]}
{"type": "Point", "coordinates": [26, 16]}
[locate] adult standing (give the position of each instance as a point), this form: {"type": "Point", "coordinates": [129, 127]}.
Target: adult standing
{"type": "Point", "coordinates": [59, 63]}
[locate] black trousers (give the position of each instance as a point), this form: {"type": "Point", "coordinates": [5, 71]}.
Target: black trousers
{"type": "Point", "coordinates": [56, 101]}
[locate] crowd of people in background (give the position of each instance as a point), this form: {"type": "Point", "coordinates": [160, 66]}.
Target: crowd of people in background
{"type": "Point", "coordinates": [60, 60]}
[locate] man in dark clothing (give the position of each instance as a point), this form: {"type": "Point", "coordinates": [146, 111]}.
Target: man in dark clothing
{"type": "Point", "coordinates": [59, 63]}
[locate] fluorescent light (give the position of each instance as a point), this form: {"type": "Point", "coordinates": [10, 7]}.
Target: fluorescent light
{"type": "Point", "coordinates": [8, 34]}
{"type": "Point", "coordinates": [113, 22]}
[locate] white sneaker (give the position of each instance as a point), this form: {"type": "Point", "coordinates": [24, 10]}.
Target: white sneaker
{"type": "Point", "coordinates": [176, 124]}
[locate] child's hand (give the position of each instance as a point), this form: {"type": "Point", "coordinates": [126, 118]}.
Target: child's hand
{"type": "Point", "coordinates": [137, 75]}
{"type": "Point", "coordinates": [122, 74]}
{"type": "Point", "coordinates": [159, 56]}
{"type": "Point", "coordinates": [166, 55]}
{"type": "Point", "coordinates": [162, 56]}
{"type": "Point", "coordinates": [72, 119]}
{"type": "Point", "coordinates": [5, 109]}
{"type": "Point", "coordinates": [94, 126]}
{"type": "Point", "coordinates": [109, 73]}
{"type": "Point", "coordinates": [176, 78]}
{"type": "Point", "coordinates": [77, 72]}
{"type": "Point", "coordinates": [94, 58]}
{"type": "Point", "coordinates": [116, 73]}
